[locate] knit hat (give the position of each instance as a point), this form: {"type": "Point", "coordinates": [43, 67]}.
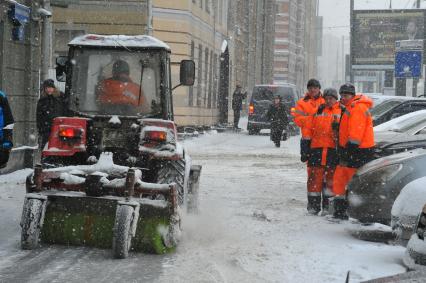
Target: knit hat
{"type": "Point", "coordinates": [49, 83]}
{"type": "Point", "coordinates": [330, 92]}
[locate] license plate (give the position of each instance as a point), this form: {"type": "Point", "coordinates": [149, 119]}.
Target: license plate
{"type": "Point", "coordinates": [113, 138]}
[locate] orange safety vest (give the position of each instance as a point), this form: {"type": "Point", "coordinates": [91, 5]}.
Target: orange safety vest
{"type": "Point", "coordinates": [319, 127]}
{"type": "Point", "coordinates": [356, 125]}
{"type": "Point", "coordinates": [112, 91]}
{"type": "Point", "coordinates": [305, 107]}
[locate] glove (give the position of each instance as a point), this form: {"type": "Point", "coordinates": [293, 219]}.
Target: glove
{"type": "Point", "coordinates": [321, 108]}
{"type": "Point", "coordinates": [335, 126]}
{"type": "Point", "coordinates": [351, 146]}
{"type": "Point", "coordinates": [7, 145]}
{"type": "Point", "coordinates": [305, 150]}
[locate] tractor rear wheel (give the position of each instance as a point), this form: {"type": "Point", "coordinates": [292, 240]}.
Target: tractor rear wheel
{"type": "Point", "coordinates": [30, 223]}
{"type": "Point", "coordinates": [122, 237]}
{"type": "Point", "coordinates": [173, 172]}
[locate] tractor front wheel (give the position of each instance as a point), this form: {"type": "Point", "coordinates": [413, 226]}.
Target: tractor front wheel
{"type": "Point", "coordinates": [31, 223]}
{"type": "Point", "coordinates": [122, 231]}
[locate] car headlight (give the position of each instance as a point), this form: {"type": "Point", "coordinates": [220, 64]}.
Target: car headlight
{"type": "Point", "coordinates": [383, 174]}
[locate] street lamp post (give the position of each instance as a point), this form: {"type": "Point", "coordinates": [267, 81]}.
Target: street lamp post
{"type": "Point", "coordinates": [46, 55]}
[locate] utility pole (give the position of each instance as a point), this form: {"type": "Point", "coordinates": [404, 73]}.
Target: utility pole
{"type": "Point", "coordinates": [149, 17]}
{"type": "Point", "coordinates": [46, 55]}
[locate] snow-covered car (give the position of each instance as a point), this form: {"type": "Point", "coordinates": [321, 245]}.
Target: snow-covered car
{"type": "Point", "coordinates": [407, 208]}
{"type": "Point", "coordinates": [416, 247]}
{"type": "Point", "coordinates": [401, 134]}
{"type": "Point", "coordinates": [374, 188]}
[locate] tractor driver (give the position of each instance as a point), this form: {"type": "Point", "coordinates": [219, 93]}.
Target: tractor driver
{"type": "Point", "coordinates": [120, 89]}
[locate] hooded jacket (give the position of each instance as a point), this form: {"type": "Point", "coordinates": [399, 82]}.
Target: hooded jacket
{"type": "Point", "coordinates": [305, 108]}
{"type": "Point", "coordinates": [356, 126]}
{"type": "Point", "coordinates": [356, 136]}
{"type": "Point", "coordinates": [324, 138]}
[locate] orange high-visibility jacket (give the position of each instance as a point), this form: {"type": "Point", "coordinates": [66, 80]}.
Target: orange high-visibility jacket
{"type": "Point", "coordinates": [112, 91]}
{"type": "Point", "coordinates": [356, 125]}
{"type": "Point", "coordinates": [319, 127]}
{"type": "Point", "coordinates": [305, 107]}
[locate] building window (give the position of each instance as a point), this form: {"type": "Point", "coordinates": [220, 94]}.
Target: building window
{"type": "Point", "coordinates": [208, 6]}
{"type": "Point", "coordinates": [216, 65]}
{"type": "Point", "coordinates": [61, 38]}
{"type": "Point", "coordinates": [191, 88]}
{"type": "Point", "coordinates": [201, 4]}
{"type": "Point", "coordinates": [200, 72]}
{"type": "Point", "coordinates": [206, 71]}
{"type": "Point", "coordinates": [209, 96]}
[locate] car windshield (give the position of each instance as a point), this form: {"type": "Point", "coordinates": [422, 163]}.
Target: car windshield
{"type": "Point", "coordinates": [116, 82]}
{"type": "Point", "coordinates": [262, 93]}
{"type": "Point", "coordinates": [384, 107]}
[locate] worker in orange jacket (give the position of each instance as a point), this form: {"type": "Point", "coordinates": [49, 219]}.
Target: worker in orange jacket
{"type": "Point", "coordinates": [356, 143]}
{"type": "Point", "coordinates": [120, 89]}
{"type": "Point", "coordinates": [306, 107]}
{"type": "Point", "coordinates": [323, 159]}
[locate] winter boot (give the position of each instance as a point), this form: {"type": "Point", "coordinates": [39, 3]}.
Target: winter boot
{"type": "Point", "coordinates": [340, 207]}
{"type": "Point", "coordinates": [314, 205]}
{"type": "Point", "coordinates": [325, 206]}
{"type": "Point", "coordinates": [277, 143]}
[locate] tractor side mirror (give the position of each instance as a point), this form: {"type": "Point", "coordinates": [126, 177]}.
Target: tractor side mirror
{"type": "Point", "coordinates": [187, 72]}
{"type": "Point", "coordinates": [61, 68]}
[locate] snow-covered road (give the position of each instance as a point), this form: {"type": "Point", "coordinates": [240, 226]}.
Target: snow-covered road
{"type": "Point", "coordinates": [252, 228]}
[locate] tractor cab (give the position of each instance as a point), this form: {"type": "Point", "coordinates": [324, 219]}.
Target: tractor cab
{"type": "Point", "coordinates": [118, 75]}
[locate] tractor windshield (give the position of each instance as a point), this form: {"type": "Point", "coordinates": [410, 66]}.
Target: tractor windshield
{"type": "Point", "coordinates": [116, 82]}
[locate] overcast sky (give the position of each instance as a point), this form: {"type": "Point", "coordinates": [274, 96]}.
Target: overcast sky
{"type": "Point", "coordinates": [336, 12]}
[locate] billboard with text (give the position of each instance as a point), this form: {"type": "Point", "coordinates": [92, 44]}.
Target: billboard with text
{"type": "Point", "coordinates": [374, 33]}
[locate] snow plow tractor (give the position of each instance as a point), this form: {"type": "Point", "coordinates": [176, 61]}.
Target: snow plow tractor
{"type": "Point", "coordinates": [112, 174]}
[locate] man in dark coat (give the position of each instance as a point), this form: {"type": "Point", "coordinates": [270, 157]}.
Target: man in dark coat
{"type": "Point", "coordinates": [237, 103]}
{"type": "Point", "coordinates": [50, 105]}
{"type": "Point", "coordinates": [278, 115]}
{"type": "Point", "coordinates": [6, 130]}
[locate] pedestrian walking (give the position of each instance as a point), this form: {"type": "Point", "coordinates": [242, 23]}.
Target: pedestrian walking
{"type": "Point", "coordinates": [323, 157]}
{"type": "Point", "coordinates": [6, 130]}
{"type": "Point", "coordinates": [237, 103]}
{"type": "Point", "coordinates": [278, 116]}
{"type": "Point", "coordinates": [356, 143]}
{"type": "Point", "coordinates": [50, 105]}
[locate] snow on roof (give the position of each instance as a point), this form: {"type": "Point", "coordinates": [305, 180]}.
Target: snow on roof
{"type": "Point", "coordinates": [143, 41]}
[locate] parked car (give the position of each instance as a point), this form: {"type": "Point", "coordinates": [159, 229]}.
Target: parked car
{"type": "Point", "coordinates": [375, 186]}
{"type": "Point", "coordinates": [260, 101]}
{"type": "Point", "coordinates": [415, 255]}
{"type": "Point", "coordinates": [394, 107]}
{"type": "Point", "coordinates": [401, 134]}
{"type": "Point", "coordinates": [406, 209]}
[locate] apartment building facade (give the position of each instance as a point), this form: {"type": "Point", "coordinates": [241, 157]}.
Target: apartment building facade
{"type": "Point", "coordinates": [227, 45]}
{"type": "Point", "coordinates": [295, 42]}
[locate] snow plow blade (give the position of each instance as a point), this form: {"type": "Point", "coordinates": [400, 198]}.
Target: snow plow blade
{"type": "Point", "coordinates": [118, 213]}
